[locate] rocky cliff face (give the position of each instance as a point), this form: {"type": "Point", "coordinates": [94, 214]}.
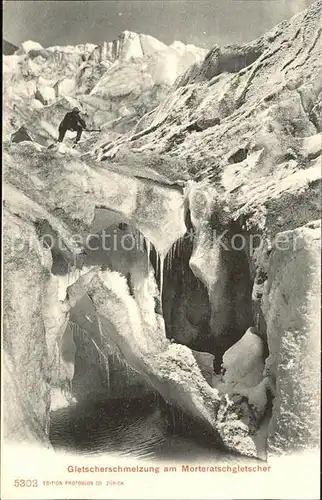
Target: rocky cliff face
{"type": "Point", "coordinates": [211, 200]}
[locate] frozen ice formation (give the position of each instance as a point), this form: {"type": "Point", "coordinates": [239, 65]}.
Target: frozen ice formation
{"type": "Point", "coordinates": [205, 181]}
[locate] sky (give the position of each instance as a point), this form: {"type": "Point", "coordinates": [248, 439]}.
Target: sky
{"type": "Point", "coordinates": [201, 22]}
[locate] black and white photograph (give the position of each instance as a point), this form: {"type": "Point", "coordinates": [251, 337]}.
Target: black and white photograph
{"type": "Point", "coordinates": [161, 247]}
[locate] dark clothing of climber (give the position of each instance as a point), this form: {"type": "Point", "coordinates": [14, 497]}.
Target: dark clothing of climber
{"type": "Point", "coordinates": [72, 121]}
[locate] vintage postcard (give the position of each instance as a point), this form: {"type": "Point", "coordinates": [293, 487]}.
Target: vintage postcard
{"type": "Point", "coordinates": [161, 249]}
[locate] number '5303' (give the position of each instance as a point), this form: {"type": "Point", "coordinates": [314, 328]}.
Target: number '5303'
{"type": "Point", "coordinates": [25, 483]}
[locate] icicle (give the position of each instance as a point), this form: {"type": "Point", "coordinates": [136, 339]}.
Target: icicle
{"type": "Point", "coordinates": [99, 328]}
{"type": "Point", "coordinates": [138, 240]}
{"type": "Point", "coordinates": [142, 241]}
{"type": "Point", "coordinates": [176, 248]}
{"type": "Point", "coordinates": [107, 372]}
{"type": "Point", "coordinates": [127, 372]}
{"type": "Point", "coordinates": [105, 358]}
{"type": "Point", "coordinates": [58, 357]}
{"type": "Point", "coordinates": [172, 253]}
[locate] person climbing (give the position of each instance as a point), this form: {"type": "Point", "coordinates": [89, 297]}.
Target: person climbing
{"type": "Point", "coordinates": [72, 121]}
